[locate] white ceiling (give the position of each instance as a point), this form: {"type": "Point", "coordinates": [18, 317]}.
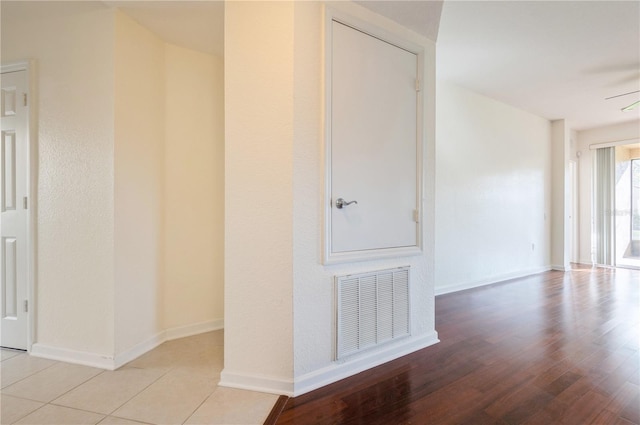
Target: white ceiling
{"type": "Point", "coordinates": [556, 59]}
{"type": "Point", "coordinates": [422, 17]}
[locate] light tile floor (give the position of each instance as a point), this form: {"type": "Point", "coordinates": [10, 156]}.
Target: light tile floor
{"type": "Point", "coordinates": [175, 383]}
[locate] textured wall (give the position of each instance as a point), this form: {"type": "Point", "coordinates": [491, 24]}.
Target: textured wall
{"type": "Point", "coordinates": [73, 46]}
{"type": "Point", "coordinates": [258, 189]}
{"type": "Point", "coordinates": [493, 180]}
{"type": "Point", "coordinates": [194, 187]}
{"type": "Point", "coordinates": [139, 180]}
{"type": "Point", "coordinates": [101, 185]}
{"type": "Point", "coordinates": [313, 281]}
{"type": "Point", "coordinates": [279, 299]}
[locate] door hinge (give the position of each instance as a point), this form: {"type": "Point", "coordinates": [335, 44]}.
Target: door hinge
{"type": "Point", "coordinates": [418, 86]}
{"type": "Point", "coordinates": [25, 203]}
{"type": "Point", "coordinates": [416, 216]}
{"type": "Point", "coordinates": [24, 99]}
{"type": "Point", "coordinates": [26, 306]}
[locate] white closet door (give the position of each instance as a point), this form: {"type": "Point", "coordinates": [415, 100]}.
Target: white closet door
{"type": "Point", "coordinates": [13, 216]}
{"type": "Point", "coordinates": [373, 140]}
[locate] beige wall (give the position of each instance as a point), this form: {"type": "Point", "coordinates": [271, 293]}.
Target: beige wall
{"type": "Point", "coordinates": [258, 190]}
{"type": "Point", "coordinates": [72, 44]}
{"type": "Point", "coordinates": [139, 182]}
{"type": "Point", "coordinates": [114, 102]}
{"type": "Point", "coordinates": [627, 152]}
{"type": "Point", "coordinates": [194, 188]}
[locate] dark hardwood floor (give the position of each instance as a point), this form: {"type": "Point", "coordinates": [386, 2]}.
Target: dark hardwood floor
{"type": "Point", "coordinates": [554, 348]}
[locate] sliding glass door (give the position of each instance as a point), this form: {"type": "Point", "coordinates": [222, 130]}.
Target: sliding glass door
{"type": "Point", "coordinates": [604, 206]}
{"type": "Point", "coordinates": [627, 207]}
{"type": "Point", "coordinates": [616, 206]}
{"type": "Point", "coordinates": [635, 200]}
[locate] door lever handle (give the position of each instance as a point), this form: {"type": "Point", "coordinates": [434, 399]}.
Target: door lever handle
{"type": "Point", "coordinates": [340, 203]}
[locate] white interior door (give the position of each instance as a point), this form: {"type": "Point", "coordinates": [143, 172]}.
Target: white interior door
{"type": "Point", "coordinates": [373, 136]}
{"type": "Point", "coordinates": [14, 218]}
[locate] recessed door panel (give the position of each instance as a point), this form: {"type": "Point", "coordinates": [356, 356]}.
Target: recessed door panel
{"type": "Point", "coordinates": [9, 279]}
{"type": "Point", "coordinates": [8, 155]}
{"type": "Point", "coordinates": [373, 137]}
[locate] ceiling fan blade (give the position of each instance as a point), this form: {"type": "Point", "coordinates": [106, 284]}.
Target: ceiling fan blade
{"type": "Point", "coordinates": [620, 95]}
{"type": "Point", "coordinates": [631, 107]}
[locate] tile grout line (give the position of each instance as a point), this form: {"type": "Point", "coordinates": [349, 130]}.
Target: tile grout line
{"type": "Point", "coordinates": [139, 392]}
{"type": "Point", "coordinates": [28, 376]}
{"type": "Point", "coordinates": [155, 373]}
{"type": "Point", "coordinates": [52, 402]}
{"type": "Point", "coordinates": [72, 408]}
{"type": "Point", "coordinates": [200, 405]}
{"type": "Point", "coordinates": [24, 416]}
{"type": "Point", "coordinates": [170, 369]}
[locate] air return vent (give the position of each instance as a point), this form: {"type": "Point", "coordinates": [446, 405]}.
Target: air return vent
{"type": "Point", "coordinates": [372, 309]}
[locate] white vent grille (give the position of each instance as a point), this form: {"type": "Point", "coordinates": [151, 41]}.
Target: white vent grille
{"type": "Point", "coordinates": [372, 309]}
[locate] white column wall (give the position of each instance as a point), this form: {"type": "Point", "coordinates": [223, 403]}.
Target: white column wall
{"type": "Point", "coordinates": [560, 232]}
{"type": "Point", "coordinates": [314, 332]}
{"type": "Point", "coordinates": [258, 316]}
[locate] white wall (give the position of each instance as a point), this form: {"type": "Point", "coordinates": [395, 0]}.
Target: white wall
{"type": "Point", "coordinates": [313, 282]}
{"type": "Point", "coordinates": [278, 296]}
{"type": "Point", "coordinates": [194, 189]}
{"type": "Point", "coordinates": [493, 193]}
{"type": "Point", "coordinates": [74, 48]}
{"type": "Point", "coordinates": [613, 133]}
{"type": "Point", "coordinates": [139, 182]}
{"type": "Point", "coordinates": [560, 192]}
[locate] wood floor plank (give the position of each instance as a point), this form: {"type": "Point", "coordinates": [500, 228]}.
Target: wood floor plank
{"type": "Point", "coordinates": [552, 413]}
{"type": "Point", "coordinates": [627, 396]}
{"type": "Point", "coordinates": [554, 348]}
{"type": "Point", "coordinates": [586, 409]}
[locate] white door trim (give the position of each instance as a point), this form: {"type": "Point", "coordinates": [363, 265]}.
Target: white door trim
{"type": "Point", "coordinates": [32, 164]}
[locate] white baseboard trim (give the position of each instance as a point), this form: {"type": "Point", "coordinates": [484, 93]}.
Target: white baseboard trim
{"type": "Point", "coordinates": [112, 363]}
{"type": "Point", "coordinates": [139, 349]}
{"type": "Point", "coordinates": [84, 358]}
{"type": "Point", "coordinates": [490, 280]}
{"type": "Point", "coordinates": [194, 329]}
{"type": "Point", "coordinates": [262, 384]}
{"type": "Point", "coordinates": [588, 262]}
{"type": "Point", "coordinates": [327, 375]}
{"type": "Point", "coordinates": [561, 268]}
{"type": "Point", "coordinates": [350, 367]}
